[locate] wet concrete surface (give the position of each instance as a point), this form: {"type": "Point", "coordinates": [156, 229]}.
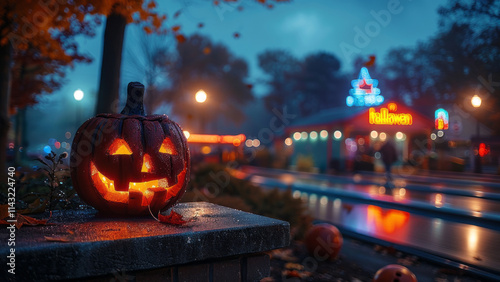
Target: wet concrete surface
{"type": "Point", "coordinates": [96, 245]}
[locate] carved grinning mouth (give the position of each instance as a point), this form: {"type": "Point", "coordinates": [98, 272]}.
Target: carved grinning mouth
{"type": "Point", "coordinates": [148, 189]}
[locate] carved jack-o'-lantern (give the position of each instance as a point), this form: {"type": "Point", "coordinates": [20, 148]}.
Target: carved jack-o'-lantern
{"type": "Point", "coordinates": [123, 163]}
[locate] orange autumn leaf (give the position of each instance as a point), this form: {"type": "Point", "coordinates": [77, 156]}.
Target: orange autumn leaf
{"type": "Point", "coordinates": [4, 211]}
{"type": "Point", "coordinates": [30, 221]}
{"type": "Point", "coordinates": [261, 1]}
{"type": "Point", "coordinates": [26, 220]}
{"type": "Point", "coordinates": [173, 218]}
{"type": "Point", "coordinates": [148, 29]}
{"type": "Point", "coordinates": [151, 5]}
{"type": "Point", "coordinates": [207, 50]}
{"type": "Point", "coordinates": [216, 3]}
{"type": "Point", "coordinates": [70, 237]}
{"type": "Point", "coordinates": [180, 38]}
{"type": "Point", "coordinates": [176, 28]}
{"type": "Point", "coordinates": [371, 62]}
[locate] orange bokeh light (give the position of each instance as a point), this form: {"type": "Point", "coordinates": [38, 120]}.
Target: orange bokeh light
{"type": "Point", "coordinates": [236, 140]}
{"type": "Point", "coordinates": [389, 220]}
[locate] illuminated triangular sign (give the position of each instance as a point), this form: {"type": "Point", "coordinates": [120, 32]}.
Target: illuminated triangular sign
{"type": "Point", "coordinates": [364, 91]}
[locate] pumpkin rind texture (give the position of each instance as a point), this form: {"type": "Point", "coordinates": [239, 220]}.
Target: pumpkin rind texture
{"type": "Point", "coordinates": [127, 164]}
{"type": "Point", "coordinates": [324, 241]}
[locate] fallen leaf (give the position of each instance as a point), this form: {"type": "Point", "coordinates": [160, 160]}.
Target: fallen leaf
{"type": "Point", "coordinates": [27, 220]}
{"type": "Point", "coordinates": [216, 3]}
{"type": "Point", "coordinates": [30, 221]}
{"type": "Point", "coordinates": [63, 238]}
{"type": "Point", "coordinates": [4, 211]}
{"type": "Point", "coordinates": [176, 28]}
{"type": "Point", "coordinates": [296, 266]}
{"type": "Point", "coordinates": [173, 218]}
{"type": "Point", "coordinates": [285, 255]}
{"type": "Point", "coordinates": [291, 273]}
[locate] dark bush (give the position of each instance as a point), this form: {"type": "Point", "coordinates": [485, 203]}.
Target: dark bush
{"type": "Point", "coordinates": [216, 184]}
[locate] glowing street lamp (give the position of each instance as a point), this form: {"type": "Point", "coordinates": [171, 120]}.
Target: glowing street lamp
{"type": "Point", "coordinates": [200, 96]}
{"type": "Point", "coordinates": [476, 103]}
{"type": "Point", "coordinates": [78, 94]}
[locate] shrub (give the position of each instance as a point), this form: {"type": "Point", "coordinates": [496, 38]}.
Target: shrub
{"type": "Point", "coordinates": [215, 184]}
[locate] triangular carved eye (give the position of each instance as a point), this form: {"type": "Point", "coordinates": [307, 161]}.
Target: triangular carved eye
{"type": "Point", "coordinates": [167, 147]}
{"type": "Point", "coordinates": [119, 147]}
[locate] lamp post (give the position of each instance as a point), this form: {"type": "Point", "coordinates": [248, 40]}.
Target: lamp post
{"type": "Point", "coordinates": [476, 103]}
{"type": "Point", "coordinates": [78, 95]}
{"type": "Point", "coordinates": [201, 97]}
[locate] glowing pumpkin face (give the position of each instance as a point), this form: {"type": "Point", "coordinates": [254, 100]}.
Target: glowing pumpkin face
{"type": "Point", "coordinates": [123, 163]}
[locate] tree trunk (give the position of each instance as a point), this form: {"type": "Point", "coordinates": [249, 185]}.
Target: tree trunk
{"type": "Point", "coordinates": [109, 85]}
{"type": "Point", "coordinates": [20, 137]}
{"type": "Point", "coordinates": [5, 76]}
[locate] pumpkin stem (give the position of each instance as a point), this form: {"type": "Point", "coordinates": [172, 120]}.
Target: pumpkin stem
{"type": "Point", "coordinates": [135, 100]}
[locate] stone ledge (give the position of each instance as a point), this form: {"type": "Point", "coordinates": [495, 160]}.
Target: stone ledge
{"type": "Point", "coordinates": [102, 246]}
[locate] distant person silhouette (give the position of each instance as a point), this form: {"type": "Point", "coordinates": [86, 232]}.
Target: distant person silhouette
{"type": "Point", "coordinates": [389, 156]}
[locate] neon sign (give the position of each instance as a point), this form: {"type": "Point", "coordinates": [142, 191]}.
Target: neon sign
{"type": "Point", "coordinates": [364, 91]}
{"type": "Point", "coordinates": [441, 119]}
{"type": "Point", "coordinates": [388, 116]}
{"type": "Point", "coordinates": [483, 150]}
{"type": "Point", "coordinates": [236, 140]}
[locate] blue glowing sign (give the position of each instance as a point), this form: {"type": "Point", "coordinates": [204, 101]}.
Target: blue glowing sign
{"type": "Point", "coordinates": [364, 91]}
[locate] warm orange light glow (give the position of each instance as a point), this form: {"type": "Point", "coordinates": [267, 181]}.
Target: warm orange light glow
{"type": "Point", "coordinates": [388, 221]}
{"type": "Point", "coordinates": [106, 187]}
{"type": "Point", "coordinates": [200, 96]}
{"type": "Point", "coordinates": [212, 139]}
{"type": "Point", "coordinates": [438, 200]}
{"type": "Point", "coordinates": [146, 164]}
{"type": "Point", "coordinates": [476, 101]}
{"type": "Point", "coordinates": [236, 142]}
{"type": "Point", "coordinates": [388, 116]}
{"type": "Point", "coordinates": [206, 150]}
{"type": "Point", "coordinates": [119, 147]}
{"type": "Point", "coordinates": [392, 107]}
{"type": "Point", "coordinates": [167, 147]}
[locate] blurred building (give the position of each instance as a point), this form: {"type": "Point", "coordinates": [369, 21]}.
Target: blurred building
{"type": "Point", "coordinates": [348, 139]}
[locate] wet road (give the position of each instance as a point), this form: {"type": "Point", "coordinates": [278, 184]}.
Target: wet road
{"type": "Point", "coordinates": [343, 202]}
{"type": "Point", "coordinates": [462, 242]}
{"type": "Point", "coordinates": [475, 199]}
